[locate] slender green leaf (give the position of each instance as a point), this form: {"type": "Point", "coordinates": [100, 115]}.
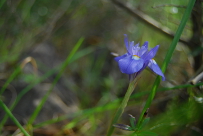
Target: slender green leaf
{"type": "Point", "coordinates": [8, 112]}
{"type": "Point", "coordinates": [132, 121]}
{"type": "Point", "coordinates": [168, 56]}
{"type": "Point", "coordinates": [145, 121]}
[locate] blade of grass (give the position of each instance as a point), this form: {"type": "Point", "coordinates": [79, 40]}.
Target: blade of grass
{"type": "Point", "coordinates": [90, 111]}
{"type": "Point", "coordinates": [13, 75]}
{"type": "Point", "coordinates": [64, 65]}
{"type": "Point", "coordinates": [8, 112]}
{"type": "Point", "coordinates": [169, 54]}
{"type": "Point", "coordinates": [23, 92]}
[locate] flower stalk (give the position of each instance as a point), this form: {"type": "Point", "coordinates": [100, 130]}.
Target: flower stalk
{"type": "Point", "coordinates": [123, 104]}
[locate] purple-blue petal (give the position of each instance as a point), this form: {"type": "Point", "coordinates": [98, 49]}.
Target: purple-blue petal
{"type": "Point", "coordinates": [128, 65]}
{"type": "Point", "coordinates": [155, 68]}
{"type": "Point", "coordinates": [135, 49]}
{"type": "Point", "coordinates": [149, 55]}
{"type": "Point", "coordinates": [120, 57]}
{"type": "Point", "coordinates": [143, 49]}
{"type": "Point", "coordinates": [145, 44]}
{"type": "Point", "coordinates": [130, 48]}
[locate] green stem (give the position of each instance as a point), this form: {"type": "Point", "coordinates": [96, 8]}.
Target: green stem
{"type": "Point", "coordinates": [169, 54]}
{"type": "Point", "coordinates": [120, 110]}
{"type": "Point", "coordinates": [8, 112]}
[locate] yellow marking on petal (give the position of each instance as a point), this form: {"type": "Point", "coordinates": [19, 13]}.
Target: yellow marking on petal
{"type": "Point", "coordinates": [136, 57]}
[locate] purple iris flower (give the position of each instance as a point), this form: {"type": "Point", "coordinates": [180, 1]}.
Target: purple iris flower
{"type": "Point", "coordinates": [137, 59]}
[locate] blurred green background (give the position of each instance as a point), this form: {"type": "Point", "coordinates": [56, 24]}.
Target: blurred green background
{"type": "Point", "coordinates": [92, 84]}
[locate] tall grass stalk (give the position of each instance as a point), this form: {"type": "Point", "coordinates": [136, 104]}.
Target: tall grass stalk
{"type": "Point", "coordinates": [64, 65]}
{"type": "Point", "coordinates": [8, 112]}
{"type": "Point", "coordinates": [169, 54]}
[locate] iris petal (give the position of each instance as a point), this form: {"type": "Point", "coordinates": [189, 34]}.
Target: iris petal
{"type": "Point", "coordinates": [137, 59]}
{"type": "Point", "coordinates": [130, 48]}
{"type": "Point", "coordinates": [143, 49]}
{"type": "Point", "coordinates": [155, 68]}
{"type": "Point", "coordinates": [135, 49]}
{"type": "Point", "coordinates": [149, 55]}
{"type": "Point", "coordinates": [120, 57]}
{"type": "Point", "coordinates": [128, 65]}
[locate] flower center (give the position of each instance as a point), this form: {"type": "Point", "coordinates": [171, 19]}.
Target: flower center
{"type": "Point", "coordinates": [135, 57]}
